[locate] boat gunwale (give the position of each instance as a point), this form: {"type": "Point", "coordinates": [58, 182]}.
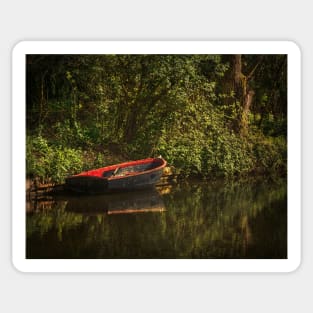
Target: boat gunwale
{"type": "Point", "coordinates": [122, 165]}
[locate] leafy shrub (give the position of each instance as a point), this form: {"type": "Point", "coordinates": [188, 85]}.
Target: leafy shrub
{"type": "Point", "coordinates": [36, 149]}
{"type": "Point", "coordinates": [49, 162]}
{"type": "Point", "coordinates": [271, 154]}
{"type": "Point", "coordinates": [201, 144]}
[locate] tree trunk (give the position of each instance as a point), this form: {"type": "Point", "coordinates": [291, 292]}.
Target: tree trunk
{"type": "Point", "coordinates": [245, 113]}
{"type": "Point", "coordinates": [242, 95]}
{"type": "Point", "coordinates": [240, 79]}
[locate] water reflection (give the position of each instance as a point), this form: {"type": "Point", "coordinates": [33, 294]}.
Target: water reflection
{"type": "Point", "coordinates": [123, 203]}
{"type": "Point", "coordinates": [226, 220]}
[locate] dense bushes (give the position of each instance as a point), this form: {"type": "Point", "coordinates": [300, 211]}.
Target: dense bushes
{"type": "Point", "coordinates": [88, 111]}
{"type": "Point", "coordinates": [206, 147]}
{"type": "Point", "coordinates": [203, 148]}
{"type": "Point", "coordinates": [51, 162]}
{"type": "Point", "coordinates": [271, 154]}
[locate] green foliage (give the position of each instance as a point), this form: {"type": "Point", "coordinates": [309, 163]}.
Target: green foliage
{"type": "Point", "coordinates": [37, 150]}
{"type": "Point", "coordinates": [274, 127]}
{"type": "Point", "coordinates": [67, 133]}
{"type": "Point", "coordinates": [205, 146]}
{"type": "Point", "coordinates": [184, 107]}
{"type": "Point", "coordinates": [271, 154]}
{"type": "Point", "coordinates": [51, 162]}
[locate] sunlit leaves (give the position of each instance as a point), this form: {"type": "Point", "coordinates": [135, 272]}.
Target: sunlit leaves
{"type": "Point", "coordinates": [183, 107]}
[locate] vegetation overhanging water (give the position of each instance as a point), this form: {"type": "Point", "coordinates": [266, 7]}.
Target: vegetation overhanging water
{"type": "Point", "coordinates": [207, 115]}
{"type": "Point", "coordinates": [193, 220]}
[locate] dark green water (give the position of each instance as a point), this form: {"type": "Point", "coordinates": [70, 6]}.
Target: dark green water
{"type": "Point", "coordinates": [194, 220]}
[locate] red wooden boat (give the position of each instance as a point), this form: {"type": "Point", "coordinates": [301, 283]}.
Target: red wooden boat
{"type": "Point", "coordinates": [126, 176]}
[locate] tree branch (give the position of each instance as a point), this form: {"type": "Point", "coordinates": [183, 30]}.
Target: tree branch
{"type": "Point", "coordinates": [253, 70]}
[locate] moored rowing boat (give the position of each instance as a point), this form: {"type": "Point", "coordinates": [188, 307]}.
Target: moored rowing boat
{"type": "Point", "coordinates": [126, 176]}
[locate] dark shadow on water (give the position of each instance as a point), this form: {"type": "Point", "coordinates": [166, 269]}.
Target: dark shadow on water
{"type": "Point", "coordinates": [193, 220]}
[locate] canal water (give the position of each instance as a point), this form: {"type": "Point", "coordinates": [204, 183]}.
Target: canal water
{"type": "Point", "coordinates": [223, 220]}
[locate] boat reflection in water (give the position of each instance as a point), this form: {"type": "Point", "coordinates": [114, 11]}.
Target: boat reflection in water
{"type": "Point", "coordinates": [119, 203]}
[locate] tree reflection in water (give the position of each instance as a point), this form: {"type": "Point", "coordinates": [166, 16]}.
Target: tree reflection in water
{"type": "Point", "coordinates": [194, 220]}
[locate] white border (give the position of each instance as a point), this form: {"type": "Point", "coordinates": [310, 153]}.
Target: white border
{"type": "Point", "coordinates": [156, 47]}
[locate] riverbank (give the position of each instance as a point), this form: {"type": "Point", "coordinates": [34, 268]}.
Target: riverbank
{"type": "Point", "coordinates": [40, 192]}
{"type": "Point", "coordinates": [190, 109]}
{"type": "Point", "coordinates": [50, 162]}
